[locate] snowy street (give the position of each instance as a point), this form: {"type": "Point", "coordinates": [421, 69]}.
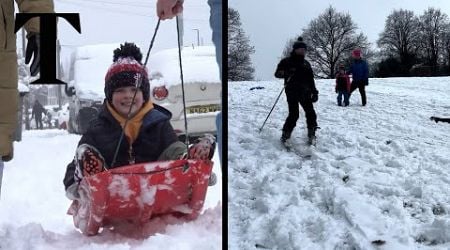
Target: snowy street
{"type": "Point", "coordinates": [378, 178]}
{"type": "Point", "coordinates": [33, 205]}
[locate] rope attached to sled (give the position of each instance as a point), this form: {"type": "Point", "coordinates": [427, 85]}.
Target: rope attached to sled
{"type": "Point", "coordinates": [182, 89]}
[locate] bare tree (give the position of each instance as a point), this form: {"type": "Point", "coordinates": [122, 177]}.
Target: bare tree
{"type": "Point", "coordinates": [432, 29]}
{"type": "Point", "coordinates": [446, 47]}
{"type": "Point", "coordinates": [400, 37]}
{"type": "Point", "coordinates": [331, 37]}
{"type": "Point", "coordinates": [239, 50]}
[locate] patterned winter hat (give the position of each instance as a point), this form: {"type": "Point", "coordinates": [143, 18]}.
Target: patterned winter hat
{"type": "Point", "coordinates": [299, 43]}
{"type": "Point", "coordinates": [126, 70]}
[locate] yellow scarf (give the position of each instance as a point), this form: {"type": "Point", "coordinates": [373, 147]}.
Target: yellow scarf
{"type": "Point", "coordinates": [135, 122]}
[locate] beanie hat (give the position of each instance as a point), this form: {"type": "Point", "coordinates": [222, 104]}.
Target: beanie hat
{"type": "Point", "coordinates": [299, 43]}
{"type": "Point", "coordinates": [356, 52]}
{"type": "Point", "coordinates": [126, 70]}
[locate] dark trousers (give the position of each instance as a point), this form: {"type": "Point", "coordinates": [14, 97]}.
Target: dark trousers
{"type": "Point", "coordinates": [39, 124]}
{"type": "Point", "coordinates": [346, 96]}
{"type": "Point", "coordinates": [362, 90]}
{"type": "Point", "coordinates": [291, 120]}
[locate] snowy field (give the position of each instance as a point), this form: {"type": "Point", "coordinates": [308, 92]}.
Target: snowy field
{"type": "Point", "coordinates": [378, 178]}
{"type": "Point", "coordinates": [33, 206]}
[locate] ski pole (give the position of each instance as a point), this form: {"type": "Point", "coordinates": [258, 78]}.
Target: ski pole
{"type": "Point", "coordinates": [260, 129]}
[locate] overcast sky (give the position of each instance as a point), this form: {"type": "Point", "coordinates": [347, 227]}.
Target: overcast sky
{"type": "Point", "coordinates": [271, 23]}
{"type": "Point", "coordinates": [112, 21]}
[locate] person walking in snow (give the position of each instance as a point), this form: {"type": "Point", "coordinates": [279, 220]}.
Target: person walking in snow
{"type": "Point", "coordinates": [37, 112]}
{"type": "Point", "coordinates": [149, 136]}
{"type": "Point", "coordinates": [360, 75]}
{"type": "Point", "coordinates": [342, 87]}
{"type": "Point", "coordinates": [299, 88]}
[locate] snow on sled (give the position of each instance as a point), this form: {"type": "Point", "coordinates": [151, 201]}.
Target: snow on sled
{"type": "Point", "coordinates": [139, 192]}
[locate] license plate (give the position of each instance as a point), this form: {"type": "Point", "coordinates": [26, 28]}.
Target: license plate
{"type": "Point", "coordinates": [203, 108]}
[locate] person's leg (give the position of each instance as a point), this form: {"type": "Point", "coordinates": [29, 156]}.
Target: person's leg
{"type": "Point", "coordinates": [339, 98]}
{"type": "Point", "coordinates": [291, 120]}
{"type": "Point", "coordinates": [215, 21]}
{"type": "Point", "coordinates": [353, 86]}
{"type": "Point", "coordinates": [346, 98]}
{"type": "Point", "coordinates": [219, 134]}
{"type": "Point", "coordinates": [311, 117]}
{"type": "Point", "coordinates": [362, 91]}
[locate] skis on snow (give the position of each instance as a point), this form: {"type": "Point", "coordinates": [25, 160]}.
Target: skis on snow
{"type": "Point", "coordinates": [291, 148]}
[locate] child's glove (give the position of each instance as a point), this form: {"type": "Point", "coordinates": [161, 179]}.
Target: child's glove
{"type": "Point", "coordinates": [203, 148]}
{"type": "Point", "coordinates": [88, 161]}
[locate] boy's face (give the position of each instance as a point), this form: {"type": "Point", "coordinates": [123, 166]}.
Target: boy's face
{"type": "Point", "coordinates": [121, 100]}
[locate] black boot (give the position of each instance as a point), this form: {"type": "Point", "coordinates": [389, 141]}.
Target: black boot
{"type": "Point", "coordinates": [284, 136]}
{"type": "Point", "coordinates": [312, 135]}
{"type": "Point", "coordinates": [311, 132]}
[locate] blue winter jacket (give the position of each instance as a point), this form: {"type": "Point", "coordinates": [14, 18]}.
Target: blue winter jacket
{"type": "Point", "coordinates": [359, 70]}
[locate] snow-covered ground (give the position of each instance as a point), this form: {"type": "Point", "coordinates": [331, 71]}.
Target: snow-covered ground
{"type": "Point", "coordinates": [33, 206]}
{"type": "Point", "coordinates": [378, 178]}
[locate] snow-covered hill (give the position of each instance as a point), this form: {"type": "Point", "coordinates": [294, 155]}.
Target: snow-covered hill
{"type": "Point", "coordinates": [33, 206]}
{"type": "Point", "coordinates": [379, 177]}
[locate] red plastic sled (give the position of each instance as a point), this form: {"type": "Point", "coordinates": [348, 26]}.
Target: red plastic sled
{"type": "Point", "coordinates": [138, 192]}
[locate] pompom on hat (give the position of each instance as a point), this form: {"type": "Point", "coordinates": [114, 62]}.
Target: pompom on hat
{"type": "Point", "coordinates": [299, 43]}
{"type": "Point", "coordinates": [126, 70]}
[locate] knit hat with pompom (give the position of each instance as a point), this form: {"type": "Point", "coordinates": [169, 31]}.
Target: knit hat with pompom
{"type": "Point", "coordinates": [299, 43]}
{"type": "Point", "coordinates": [126, 70]}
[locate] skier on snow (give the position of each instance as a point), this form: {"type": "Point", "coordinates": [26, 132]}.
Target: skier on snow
{"type": "Point", "coordinates": [149, 135]}
{"type": "Point", "coordinates": [300, 88]}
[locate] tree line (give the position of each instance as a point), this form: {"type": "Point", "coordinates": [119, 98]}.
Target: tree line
{"type": "Point", "coordinates": [409, 45]}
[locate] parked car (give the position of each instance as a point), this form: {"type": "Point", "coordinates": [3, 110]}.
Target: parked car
{"type": "Point", "coordinates": [202, 87]}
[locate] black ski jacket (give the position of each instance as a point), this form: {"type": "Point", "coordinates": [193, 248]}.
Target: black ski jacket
{"type": "Point", "coordinates": [298, 76]}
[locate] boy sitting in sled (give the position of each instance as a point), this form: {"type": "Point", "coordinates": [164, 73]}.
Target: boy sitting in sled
{"type": "Point", "coordinates": [148, 134]}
